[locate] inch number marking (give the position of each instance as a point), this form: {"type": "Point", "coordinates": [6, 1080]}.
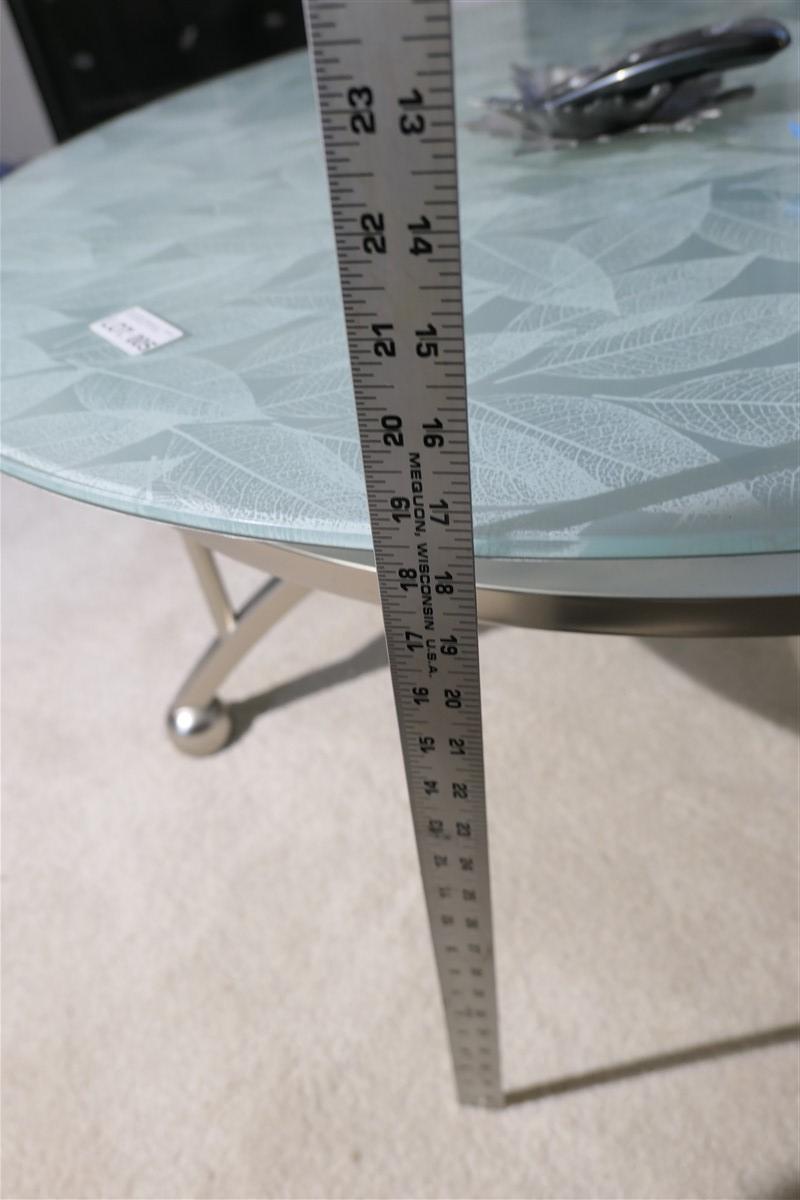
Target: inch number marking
{"type": "Point", "coordinates": [397, 240]}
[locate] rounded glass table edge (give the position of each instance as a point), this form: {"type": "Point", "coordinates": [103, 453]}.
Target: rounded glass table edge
{"type": "Point", "coordinates": [361, 543]}
{"type": "Point", "coordinates": [685, 538]}
{"type": "Point", "coordinates": [714, 596]}
{"type": "Point", "coordinates": [742, 595]}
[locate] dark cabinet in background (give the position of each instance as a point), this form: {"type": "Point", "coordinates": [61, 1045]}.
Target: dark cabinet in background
{"type": "Point", "coordinates": [95, 58]}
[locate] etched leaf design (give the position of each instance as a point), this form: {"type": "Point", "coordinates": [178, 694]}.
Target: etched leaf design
{"type": "Point", "coordinates": [759, 407]}
{"type": "Point", "coordinates": [590, 272]}
{"type": "Point", "coordinates": [620, 242]}
{"type": "Point", "coordinates": [534, 269]}
{"type": "Point", "coordinates": [156, 285]}
{"type": "Point", "coordinates": [534, 326]}
{"type": "Point", "coordinates": [34, 245]}
{"type": "Point", "coordinates": [610, 445]}
{"type": "Point", "coordinates": [512, 470]}
{"type": "Point", "coordinates": [73, 344]}
{"type": "Point", "coordinates": [560, 320]}
{"type": "Point", "coordinates": [633, 492]}
{"type": "Point", "coordinates": [258, 467]}
{"type": "Point", "coordinates": [71, 438]}
{"type": "Point", "coordinates": [232, 323]}
{"type": "Point", "coordinates": [490, 353]}
{"type": "Point", "coordinates": [313, 391]}
{"type": "Point", "coordinates": [705, 335]}
{"type": "Point", "coordinates": [560, 199]}
{"type": "Point", "coordinates": [26, 393]}
{"type": "Point", "coordinates": [778, 492]}
{"type": "Point", "coordinates": [25, 356]}
{"type": "Point", "coordinates": [169, 388]}
{"type": "Point", "coordinates": [325, 300]}
{"type": "Point", "coordinates": [37, 286]}
{"type": "Point", "coordinates": [675, 285]}
{"type": "Point", "coordinates": [22, 319]}
{"type": "Point", "coordinates": [302, 346]}
{"type": "Point", "coordinates": [768, 228]}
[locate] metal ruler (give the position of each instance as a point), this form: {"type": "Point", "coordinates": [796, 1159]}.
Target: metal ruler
{"type": "Point", "coordinates": [384, 78]}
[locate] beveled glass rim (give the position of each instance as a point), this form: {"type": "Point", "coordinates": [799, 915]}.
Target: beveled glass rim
{"type": "Point", "coordinates": [753, 594]}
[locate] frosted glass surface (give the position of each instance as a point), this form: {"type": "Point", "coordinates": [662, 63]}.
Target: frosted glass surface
{"type": "Point", "coordinates": [631, 330]}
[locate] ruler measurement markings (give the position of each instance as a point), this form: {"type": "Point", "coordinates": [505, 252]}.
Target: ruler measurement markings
{"type": "Point", "coordinates": [422, 626]}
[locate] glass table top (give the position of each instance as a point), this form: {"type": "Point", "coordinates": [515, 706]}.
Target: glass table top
{"type": "Point", "coordinates": [631, 310]}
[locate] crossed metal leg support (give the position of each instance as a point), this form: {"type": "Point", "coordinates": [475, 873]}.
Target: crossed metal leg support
{"type": "Point", "coordinates": [199, 722]}
{"type": "Point", "coordinates": [746, 595]}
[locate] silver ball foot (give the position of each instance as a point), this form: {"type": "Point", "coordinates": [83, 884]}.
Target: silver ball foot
{"type": "Point", "coordinates": [200, 731]}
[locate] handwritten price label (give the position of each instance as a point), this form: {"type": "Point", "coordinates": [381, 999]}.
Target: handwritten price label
{"type": "Point", "coordinates": [136, 331]}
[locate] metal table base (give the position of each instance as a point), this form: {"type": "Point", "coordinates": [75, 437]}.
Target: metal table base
{"type": "Point", "coordinates": [730, 596]}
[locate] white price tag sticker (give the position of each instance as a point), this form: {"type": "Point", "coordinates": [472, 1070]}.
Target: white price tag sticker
{"type": "Point", "coordinates": [136, 331]}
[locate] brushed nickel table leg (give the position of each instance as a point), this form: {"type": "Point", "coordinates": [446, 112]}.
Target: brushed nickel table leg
{"type": "Point", "coordinates": [744, 595]}
{"type": "Point", "coordinates": [198, 721]}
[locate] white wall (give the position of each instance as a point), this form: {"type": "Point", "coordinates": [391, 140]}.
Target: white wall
{"type": "Point", "coordinates": [24, 125]}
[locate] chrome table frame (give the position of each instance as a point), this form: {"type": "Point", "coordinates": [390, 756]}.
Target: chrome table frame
{"type": "Point", "coordinates": [726, 596]}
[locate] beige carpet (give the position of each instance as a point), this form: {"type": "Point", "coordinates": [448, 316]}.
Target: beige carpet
{"type": "Point", "coordinates": [218, 981]}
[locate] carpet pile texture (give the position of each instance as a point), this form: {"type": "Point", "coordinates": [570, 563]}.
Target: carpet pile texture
{"type": "Point", "coordinates": [217, 974]}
